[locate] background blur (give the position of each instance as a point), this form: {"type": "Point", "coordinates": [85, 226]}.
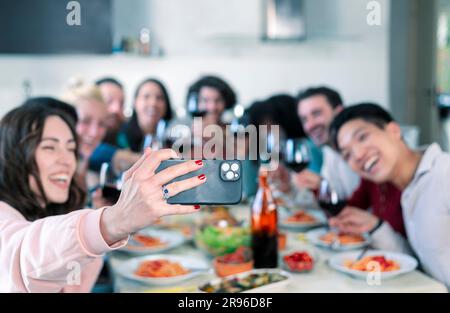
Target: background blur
{"type": "Point", "coordinates": [395, 63]}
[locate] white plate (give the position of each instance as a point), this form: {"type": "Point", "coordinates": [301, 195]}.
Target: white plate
{"type": "Point", "coordinates": [293, 226]}
{"type": "Point", "coordinates": [171, 238]}
{"type": "Point", "coordinates": [273, 287]}
{"type": "Point", "coordinates": [407, 263]}
{"type": "Point", "coordinates": [313, 236]}
{"type": "Point", "coordinates": [196, 265]}
{"type": "Point", "coordinates": [178, 228]}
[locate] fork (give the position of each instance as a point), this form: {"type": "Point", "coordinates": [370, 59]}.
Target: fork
{"type": "Point", "coordinates": [336, 243]}
{"type": "Point", "coordinates": [361, 255]}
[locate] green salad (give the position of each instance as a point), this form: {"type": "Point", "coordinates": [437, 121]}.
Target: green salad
{"type": "Point", "coordinates": [222, 240]}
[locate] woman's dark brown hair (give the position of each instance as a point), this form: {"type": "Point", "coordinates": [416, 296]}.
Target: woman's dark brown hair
{"type": "Point", "coordinates": [20, 134]}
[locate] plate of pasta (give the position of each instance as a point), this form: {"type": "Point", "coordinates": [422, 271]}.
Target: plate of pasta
{"type": "Point", "coordinates": [301, 220]}
{"type": "Point", "coordinates": [387, 264]}
{"type": "Point", "coordinates": [162, 269]}
{"type": "Point", "coordinates": [149, 241]}
{"type": "Point", "coordinates": [323, 237]}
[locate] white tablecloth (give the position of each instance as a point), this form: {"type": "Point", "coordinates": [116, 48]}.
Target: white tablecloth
{"type": "Point", "coordinates": [321, 279]}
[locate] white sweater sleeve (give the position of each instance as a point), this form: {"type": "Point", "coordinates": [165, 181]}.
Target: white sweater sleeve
{"type": "Point", "coordinates": [386, 238]}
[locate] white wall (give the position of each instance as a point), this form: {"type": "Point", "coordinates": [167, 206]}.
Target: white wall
{"type": "Point", "coordinates": [222, 37]}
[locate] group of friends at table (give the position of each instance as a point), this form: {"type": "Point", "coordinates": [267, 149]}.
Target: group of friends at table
{"type": "Point", "coordinates": [52, 212]}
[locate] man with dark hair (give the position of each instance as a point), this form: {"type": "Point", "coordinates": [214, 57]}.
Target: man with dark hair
{"type": "Point", "coordinates": [316, 108]}
{"type": "Point", "coordinates": [332, 96]}
{"type": "Point", "coordinates": [114, 96]}
{"type": "Point", "coordinates": [111, 80]}
{"type": "Point", "coordinates": [367, 111]}
{"type": "Point", "coordinates": [371, 142]}
{"type": "Point", "coordinates": [108, 151]}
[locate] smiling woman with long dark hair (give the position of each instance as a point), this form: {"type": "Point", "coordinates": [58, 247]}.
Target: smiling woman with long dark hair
{"type": "Point", "coordinates": [20, 140]}
{"type": "Point", "coordinates": [151, 104]}
{"type": "Point", "coordinates": [43, 228]}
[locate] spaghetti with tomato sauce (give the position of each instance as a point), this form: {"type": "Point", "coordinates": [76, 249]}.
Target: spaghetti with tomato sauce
{"type": "Point", "coordinates": [160, 268]}
{"type": "Point", "coordinates": [366, 265]}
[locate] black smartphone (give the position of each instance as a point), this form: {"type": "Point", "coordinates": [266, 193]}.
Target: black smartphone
{"type": "Point", "coordinates": [223, 184]}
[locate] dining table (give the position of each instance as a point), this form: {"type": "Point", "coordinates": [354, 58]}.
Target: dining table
{"type": "Point", "coordinates": [321, 279]}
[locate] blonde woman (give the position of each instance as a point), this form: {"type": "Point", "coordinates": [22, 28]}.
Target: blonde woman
{"type": "Point", "coordinates": [91, 127]}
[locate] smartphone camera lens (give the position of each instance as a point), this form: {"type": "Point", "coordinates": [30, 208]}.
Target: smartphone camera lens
{"type": "Point", "coordinates": [230, 171]}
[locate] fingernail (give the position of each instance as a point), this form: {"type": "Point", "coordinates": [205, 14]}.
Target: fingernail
{"type": "Point", "coordinates": [201, 177]}
{"type": "Point", "coordinates": [196, 207]}
{"type": "Point", "coordinates": [199, 162]}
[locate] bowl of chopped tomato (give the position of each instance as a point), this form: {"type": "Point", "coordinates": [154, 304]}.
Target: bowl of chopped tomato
{"type": "Point", "coordinates": [234, 263]}
{"type": "Point", "coordinates": [298, 261]}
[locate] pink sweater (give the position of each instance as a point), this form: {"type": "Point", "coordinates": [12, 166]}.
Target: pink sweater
{"type": "Point", "coordinates": [54, 254]}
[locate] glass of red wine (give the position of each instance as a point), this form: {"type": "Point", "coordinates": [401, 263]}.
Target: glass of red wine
{"type": "Point", "coordinates": [296, 154]}
{"type": "Point", "coordinates": [110, 183]}
{"type": "Point", "coordinates": [329, 199]}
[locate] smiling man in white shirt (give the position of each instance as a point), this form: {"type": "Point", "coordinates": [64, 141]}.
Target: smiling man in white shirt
{"type": "Point", "coordinates": [371, 142]}
{"type": "Point", "coordinates": [316, 108]}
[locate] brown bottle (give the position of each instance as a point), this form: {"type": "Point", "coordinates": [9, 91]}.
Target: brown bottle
{"type": "Point", "coordinates": [264, 225]}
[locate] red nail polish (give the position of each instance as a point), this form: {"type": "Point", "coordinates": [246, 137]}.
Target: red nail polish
{"type": "Point", "coordinates": [196, 207]}
{"type": "Point", "coordinates": [201, 177]}
{"type": "Point", "coordinates": [199, 162]}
